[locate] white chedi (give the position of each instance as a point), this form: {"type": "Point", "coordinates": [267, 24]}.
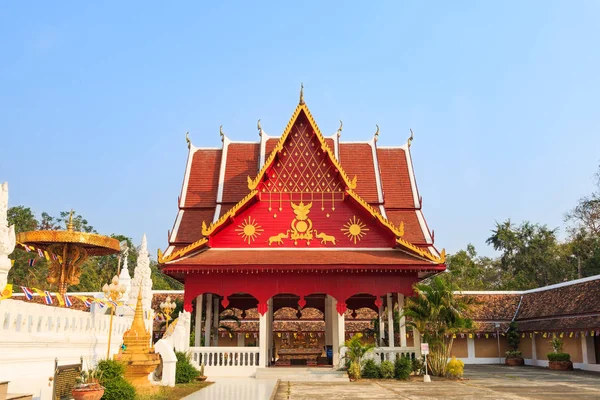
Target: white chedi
{"type": "Point", "coordinates": [142, 279]}
{"type": "Point", "coordinates": [7, 237]}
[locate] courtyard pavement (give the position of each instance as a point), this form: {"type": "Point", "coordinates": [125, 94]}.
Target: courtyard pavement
{"type": "Point", "coordinates": [236, 389]}
{"type": "Point", "coordinates": [481, 382]}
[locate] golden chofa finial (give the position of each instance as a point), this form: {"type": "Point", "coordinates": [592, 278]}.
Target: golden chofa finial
{"type": "Point", "coordinates": [410, 139]}
{"type": "Point", "coordinates": [302, 93]}
{"type": "Point", "coordinates": [376, 136]}
{"type": "Point", "coordinates": [70, 224]}
{"type": "Point", "coordinates": [260, 131]}
{"type": "Point", "coordinates": [221, 133]}
{"type": "Point", "coordinates": [339, 131]}
{"type": "Point", "coordinates": [187, 139]}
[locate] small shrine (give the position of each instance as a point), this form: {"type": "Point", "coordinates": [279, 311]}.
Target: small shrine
{"type": "Point", "coordinates": [137, 353]}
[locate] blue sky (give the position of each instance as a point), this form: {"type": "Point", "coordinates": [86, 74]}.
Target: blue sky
{"type": "Point", "coordinates": [95, 100]}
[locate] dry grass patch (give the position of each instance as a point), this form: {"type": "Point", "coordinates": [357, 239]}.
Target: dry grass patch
{"type": "Point", "coordinates": [175, 393]}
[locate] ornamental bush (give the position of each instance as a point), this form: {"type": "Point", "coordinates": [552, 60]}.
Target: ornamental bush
{"type": "Point", "coordinates": [402, 368]}
{"type": "Point", "coordinates": [371, 370]}
{"type": "Point", "coordinates": [386, 369]}
{"type": "Point", "coordinates": [115, 385]}
{"type": "Point", "coordinates": [418, 366]}
{"type": "Point", "coordinates": [185, 372]}
{"type": "Point", "coordinates": [455, 368]}
{"type": "Point", "coordinates": [558, 356]}
{"type": "Point", "coordinates": [354, 371]}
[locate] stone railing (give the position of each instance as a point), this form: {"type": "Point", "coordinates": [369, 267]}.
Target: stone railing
{"type": "Point", "coordinates": [33, 335]}
{"type": "Point", "coordinates": [226, 361]}
{"type": "Point", "coordinates": [391, 353]}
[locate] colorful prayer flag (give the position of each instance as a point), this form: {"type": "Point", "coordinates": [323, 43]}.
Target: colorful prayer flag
{"type": "Point", "coordinates": [47, 297]}
{"type": "Point", "coordinates": [7, 292]}
{"type": "Point", "coordinates": [31, 262]}
{"type": "Point", "coordinates": [28, 293]}
{"type": "Point", "coordinates": [27, 248]}
{"type": "Point", "coordinates": [60, 299]}
{"type": "Point", "coordinates": [40, 253]}
{"type": "Point", "coordinates": [46, 255]}
{"type": "Point", "coordinates": [68, 301]}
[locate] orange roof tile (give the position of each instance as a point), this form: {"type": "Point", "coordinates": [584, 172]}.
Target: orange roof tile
{"type": "Point", "coordinates": [204, 178]}
{"type": "Point", "coordinates": [357, 160]}
{"type": "Point", "coordinates": [190, 228]}
{"type": "Point", "coordinates": [395, 179]}
{"type": "Point", "coordinates": [412, 228]}
{"type": "Point", "coordinates": [242, 161]}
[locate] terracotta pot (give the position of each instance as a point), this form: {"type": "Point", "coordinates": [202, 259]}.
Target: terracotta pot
{"type": "Point", "coordinates": [560, 365]}
{"type": "Point", "coordinates": [88, 393]}
{"type": "Point", "coordinates": [201, 378]}
{"type": "Point", "coordinates": [514, 361]}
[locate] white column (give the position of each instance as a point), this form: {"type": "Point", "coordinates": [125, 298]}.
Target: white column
{"type": "Point", "coordinates": [470, 348]}
{"type": "Point", "coordinates": [587, 350]}
{"type": "Point", "coordinates": [381, 323]}
{"type": "Point", "coordinates": [270, 351]}
{"type": "Point", "coordinates": [402, 320]}
{"type": "Point", "coordinates": [262, 339]}
{"type": "Point", "coordinates": [198, 328]}
{"type": "Point", "coordinates": [533, 350]}
{"type": "Point", "coordinates": [390, 315]}
{"type": "Point", "coordinates": [417, 342]}
{"type": "Point", "coordinates": [339, 329]}
{"type": "Point", "coordinates": [216, 300]}
{"type": "Point", "coordinates": [328, 322]}
{"type": "Point", "coordinates": [208, 320]}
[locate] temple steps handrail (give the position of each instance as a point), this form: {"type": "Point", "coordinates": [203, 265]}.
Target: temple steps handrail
{"type": "Point", "coordinates": [215, 357]}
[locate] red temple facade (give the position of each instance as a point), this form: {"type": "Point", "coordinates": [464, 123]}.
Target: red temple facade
{"type": "Point", "coordinates": [300, 220]}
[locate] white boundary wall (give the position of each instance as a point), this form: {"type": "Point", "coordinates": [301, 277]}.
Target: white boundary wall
{"type": "Point", "coordinates": [33, 335]}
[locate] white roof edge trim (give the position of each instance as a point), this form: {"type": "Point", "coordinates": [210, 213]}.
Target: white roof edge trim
{"type": "Point", "coordinates": [423, 225]}
{"type": "Point", "coordinates": [336, 145]}
{"type": "Point", "coordinates": [541, 289]}
{"type": "Point", "coordinates": [186, 178]}
{"type": "Point", "coordinates": [226, 143]}
{"type": "Point", "coordinates": [217, 212]}
{"type": "Point", "coordinates": [263, 148]}
{"type": "Point", "coordinates": [176, 227]}
{"type": "Point", "coordinates": [373, 145]}
{"type": "Point", "coordinates": [169, 250]}
{"type": "Point", "coordinates": [411, 174]}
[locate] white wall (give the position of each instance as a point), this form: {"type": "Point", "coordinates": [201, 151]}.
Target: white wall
{"type": "Point", "coordinates": [33, 335]}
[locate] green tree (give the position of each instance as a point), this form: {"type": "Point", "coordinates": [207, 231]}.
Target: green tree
{"type": "Point", "coordinates": [530, 255]}
{"type": "Point", "coordinates": [437, 314]}
{"type": "Point", "coordinates": [468, 271]}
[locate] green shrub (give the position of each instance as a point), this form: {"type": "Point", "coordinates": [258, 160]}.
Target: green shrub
{"type": "Point", "coordinates": [185, 372]}
{"type": "Point", "coordinates": [115, 385]}
{"type": "Point", "coordinates": [371, 370]}
{"type": "Point", "coordinates": [402, 368]}
{"type": "Point", "coordinates": [514, 354]}
{"type": "Point", "coordinates": [386, 369]}
{"type": "Point", "coordinates": [354, 371]}
{"type": "Point", "coordinates": [455, 368]}
{"type": "Point", "coordinates": [418, 366]}
{"type": "Point", "coordinates": [558, 357]}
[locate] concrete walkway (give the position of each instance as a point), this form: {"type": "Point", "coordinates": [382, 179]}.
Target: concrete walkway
{"type": "Point", "coordinates": [236, 389]}
{"type": "Point", "coordinates": [482, 382]}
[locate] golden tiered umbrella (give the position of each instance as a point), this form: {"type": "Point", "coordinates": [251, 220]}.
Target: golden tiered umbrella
{"type": "Point", "coordinates": [68, 250]}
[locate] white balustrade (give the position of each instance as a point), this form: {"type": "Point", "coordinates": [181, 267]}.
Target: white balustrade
{"type": "Point", "coordinates": [391, 353]}
{"type": "Point", "coordinates": [226, 361]}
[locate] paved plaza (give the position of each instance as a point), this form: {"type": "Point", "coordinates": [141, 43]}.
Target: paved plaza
{"type": "Point", "coordinates": [482, 382]}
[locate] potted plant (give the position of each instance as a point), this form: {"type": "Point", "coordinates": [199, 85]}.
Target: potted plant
{"type": "Point", "coordinates": [202, 377]}
{"type": "Point", "coordinates": [88, 386]}
{"type": "Point", "coordinates": [356, 350]}
{"type": "Point", "coordinates": [557, 360]}
{"type": "Point", "coordinates": [514, 356]}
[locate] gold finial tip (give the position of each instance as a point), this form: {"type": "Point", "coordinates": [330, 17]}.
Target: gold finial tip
{"type": "Point", "coordinates": [187, 139]}
{"type": "Point", "coordinates": [221, 133]}
{"type": "Point", "coordinates": [301, 93]}
{"type": "Point", "coordinates": [376, 136]}
{"type": "Point", "coordinates": [410, 139]}
{"type": "Point", "coordinates": [70, 224]}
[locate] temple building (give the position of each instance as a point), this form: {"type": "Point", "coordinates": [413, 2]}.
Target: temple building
{"type": "Point", "coordinates": [301, 222]}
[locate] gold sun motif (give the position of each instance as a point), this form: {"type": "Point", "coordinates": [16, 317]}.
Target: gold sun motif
{"type": "Point", "coordinates": [355, 229]}
{"type": "Point", "coordinates": [249, 230]}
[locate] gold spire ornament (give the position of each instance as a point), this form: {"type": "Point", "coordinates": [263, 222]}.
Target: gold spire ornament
{"type": "Point", "coordinates": [339, 131]}
{"type": "Point", "coordinates": [301, 93]}
{"type": "Point", "coordinates": [410, 139]}
{"type": "Point", "coordinates": [376, 136]}
{"type": "Point", "coordinates": [137, 354]}
{"type": "Point", "coordinates": [221, 133]}
{"type": "Point", "coordinates": [187, 139]}
{"type": "Point", "coordinates": [260, 130]}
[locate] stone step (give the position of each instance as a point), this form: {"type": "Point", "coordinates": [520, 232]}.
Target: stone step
{"type": "Point", "coordinates": [3, 389]}
{"type": "Point", "coordinates": [17, 396]}
{"type": "Point", "coordinates": [302, 374]}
